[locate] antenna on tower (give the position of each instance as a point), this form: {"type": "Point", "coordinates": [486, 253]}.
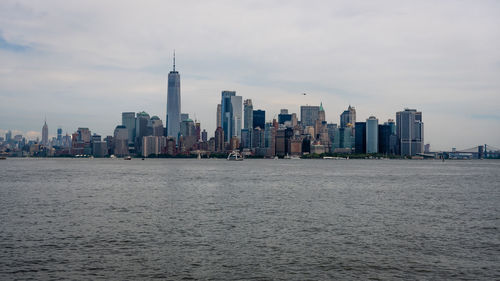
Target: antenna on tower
{"type": "Point", "coordinates": [174, 60]}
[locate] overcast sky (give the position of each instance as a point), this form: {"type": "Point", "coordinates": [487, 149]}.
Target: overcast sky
{"type": "Point", "coordinates": [82, 63]}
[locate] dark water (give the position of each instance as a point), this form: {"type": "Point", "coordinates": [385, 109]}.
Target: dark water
{"type": "Point", "coordinates": [256, 219]}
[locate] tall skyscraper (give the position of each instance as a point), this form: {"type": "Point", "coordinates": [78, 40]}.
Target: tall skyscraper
{"type": "Point", "coordinates": [128, 120]}
{"type": "Point", "coordinates": [226, 113]}
{"type": "Point", "coordinates": [372, 135]}
{"type": "Point", "coordinates": [248, 112]}
{"type": "Point", "coordinates": [410, 132]}
{"type": "Point", "coordinates": [173, 103]}
{"type": "Point", "coordinates": [59, 136]}
{"type": "Point", "coordinates": [259, 119]}
{"type": "Point", "coordinates": [219, 116]}
{"type": "Point", "coordinates": [120, 140]}
{"type": "Point", "coordinates": [360, 138]}
{"type": "Point", "coordinates": [231, 114]}
{"type": "Point", "coordinates": [348, 117]}
{"type": "Point", "coordinates": [45, 134]}
{"type": "Point", "coordinates": [308, 115]}
{"type": "Point", "coordinates": [141, 129]}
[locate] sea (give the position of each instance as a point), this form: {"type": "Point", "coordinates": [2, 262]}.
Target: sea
{"type": "Point", "coordinates": [257, 219]}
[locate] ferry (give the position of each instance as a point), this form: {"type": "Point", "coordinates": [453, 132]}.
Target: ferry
{"type": "Point", "coordinates": [235, 156]}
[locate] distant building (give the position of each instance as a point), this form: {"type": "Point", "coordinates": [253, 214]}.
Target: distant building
{"type": "Point", "coordinates": [360, 138]}
{"type": "Point", "coordinates": [141, 129]}
{"type": "Point", "coordinates": [309, 115]}
{"type": "Point", "coordinates": [219, 140]}
{"type": "Point", "coordinates": [231, 114]}
{"type": "Point", "coordinates": [343, 140]}
{"type": "Point", "coordinates": [284, 117]}
{"type": "Point", "coordinates": [156, 126]}
{"type": "Point", "coordinates": [173, 104]}
{"type": "Point", "coordinates": [219, 116]}
{"type": "Point", "coordinates": [184, 116]}
{"type": "Point", "coordinates": [410, 132]}
{"type": "Point", "coordinates": [120, 141]}
{"type": "Point", "coordinates": [372, 135]}
{"type": "Point", "coordinates": [45, 134]}
{"type": "Point", "coordinates": [128, 120]}
{"type": "Point", "coordinates": [204, 136]}
{"type": "Point", "coordinates": [99, 149]}
{"type": "Point", "coordinates": [348, 117]}
{"type": "Point", "coordinates": [248, 114]}
{"type": "Point", "coordinates": [259, 119]}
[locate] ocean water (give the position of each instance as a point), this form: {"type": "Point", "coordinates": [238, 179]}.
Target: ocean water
{"type": "Point", "coordinates": [256, 219]}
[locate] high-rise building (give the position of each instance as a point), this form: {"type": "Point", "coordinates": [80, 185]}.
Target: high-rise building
{"type": "Point", "coordinates": [309, 115]}
{"type": "Point", "coordinates": [248, 112]}
{"type": "Point", "coordinates": [226, 117]}
{"type": "Point", "coordinates": [141, 129]}
{"type": "Point", "coordinates": [372, 135]}
{"type": "Point", "coordinates": [8, 136]}
{"type": "Point", "coordinates": [120, 140]}
{"type": "Point", "coordinates": [128, 120]}
{"type": "Point", "coordinates": [184, 116]}
{"type": "Point", "coordinates": [410, 132]}
{"type": "Point", "coordinates": [173, 103]}
{"type": "Point", "coordinates": [348, 117]}
{"type": "Point", "coordinates": [384, 138]}
{"type": "Point", "coordinates": [219, 116]}
{"type": "Point", "coordinates": [284, 117]}
{"type": "Point", "coordinates": [59, 136]}
{"type": "Point", "coordinates": [360, 138]}
{"type": "Point", "coordinates": [259, 119]}
{"type": "Point", "coordinates": [155, 126]}
{"type": "Point", "coordinates": [236, 116]}
{"type": "Point", "coordinates": [45, 134]}
{"type": "Point", "coordinates": [204, 136]}
{"type": "Point", "coordinates": [219, 140]}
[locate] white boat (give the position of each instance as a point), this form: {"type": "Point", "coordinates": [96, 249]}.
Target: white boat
{"type": "Point", "coordinates": [235, 156]}
{"type": "Point", "coordinates": [127, 158]}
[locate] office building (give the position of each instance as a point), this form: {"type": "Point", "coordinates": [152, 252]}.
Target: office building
{"type": "Point", "coordinates": [308, 115]}
{"type": "Point", "coordinates": [372, 135]}
{"type": "Point", "coordinates": [120, 140]}
{"type": "Point", "coordinates": [410, 132]}
{"type": "Point", "coordinates": [259, 119]}
{"type": "Point", "coordinates": [173, 103]}
{"type": "Point", "coordinates": [248, 114]}
{"type": "Point", "coordinates": [360, 138]}
{"type": "Point", "coordinates": [226, 113]}
{"type": "Point", "coordinates": [348, 117]}
{"type": "Point", "coordinates": [141, 129]}
{"type": "Point", "coordinates": [219, 116]}
{"type": "Point", "coordinates": [236, 116]}
{"type": "Point", "coordinates": [128, 120]}
{"type": "Point", "coordinates": [45, 134]}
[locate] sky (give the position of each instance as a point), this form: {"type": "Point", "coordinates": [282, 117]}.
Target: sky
{"type": "Point", "coordinates": [82, 63]}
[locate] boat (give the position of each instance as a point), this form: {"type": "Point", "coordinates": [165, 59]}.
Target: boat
{"type": "Point", "coordinates": [235, 156]}
{"type": "Point", "coordinates": [127, 158]}
{"type": "Point", "coordinates": [295, 157]}
{"type": "Point", "coordinates": [3, 158]}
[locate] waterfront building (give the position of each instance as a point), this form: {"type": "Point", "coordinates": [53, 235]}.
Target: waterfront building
{"type": "Point", "coordinates": [236, 116]}
{"type": "Point", "coordinates": [360, 138]}
{"type": "Point", "coordinates": [99, 148]}
{"type": "Point", "coordinates": [384, 138]}
{"type": "Point", "coordinates": [343, 140]}
{"type": "Point", "coordinates": [219, 140]}
{"type": "Point", "coordinates": [308, 115]}
{"type": "Point", "coordinates": [410, 132]}
{"type": "Point", "coordinates": [45, 134]}
{"type": "Point", "coordinates": [141, 129]}
{"type": "Point", "coordinates": [219, 116]}
{"type": "Point", "coordinates": [155, 126]}
{"type": "Point", "coordinates": [248, 114]}
{"type": "Point", "coordinates": [204, 136]}
{"type": "Point", "coordinates": [231, 114]}
{"type": "Point", "coordinates": [348, 117]}
{"type": "Point", "coordinates": [128, 120]}
{"type": "Point", "coordinates": [372, 135]}
{"type": "Point", "coordinates": [259, 119]}
{"type": "Point", "coordinates": [173, 103]}
{"type": "Point", "coordinates": [120, 140]}
{"type": "Point", "coordinates": [246, 138]}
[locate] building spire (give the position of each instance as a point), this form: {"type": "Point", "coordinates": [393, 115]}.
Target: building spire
{"type": "Point", "coordinates": [174, 60]}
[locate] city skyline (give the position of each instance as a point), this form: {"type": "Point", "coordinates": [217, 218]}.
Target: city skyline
{"type": "Point", "coordinates": [381, 60]}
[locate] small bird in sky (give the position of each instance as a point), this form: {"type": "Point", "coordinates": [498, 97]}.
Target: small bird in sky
{"type": "Point", "coordinates": [304, 94]}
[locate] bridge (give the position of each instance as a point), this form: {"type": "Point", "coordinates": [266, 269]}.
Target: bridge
{"type": "Point", "coordinates": [477, 152]}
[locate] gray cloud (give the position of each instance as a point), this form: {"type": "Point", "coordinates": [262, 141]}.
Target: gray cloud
{"type": "Point", "coordinates": [82, 64]}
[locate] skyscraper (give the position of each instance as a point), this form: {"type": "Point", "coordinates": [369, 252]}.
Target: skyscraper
{"type": "Point", "coordinates": [45, 134]}
{"type": "Point", "coordinates": [128, 120]}
{"type": "Point", "coordinates": [259, 119]}
{"type": "Point", "coordinates": [308, 115]}
{"type": "Point", "coordinates": [410, 132]}
{"type": "Point", "coordinates": [219, 116]}
{"type": "Point", "coordinates": [141, 129]}
{"type": "Point", "coordinates": [348, 117]}
{"type": "Point", "coordinates": [372, 135]}
{"type": "Point", "coordinates": [226, 113]}
{"type": "Point", "coordinates": [231, 114]}
{"type": "Point", "coordinates": [248, 112]}
{"type": "Point", "coordinates": [360, 138]}
{"type": "Point", "coordinates": [173, 103]}
{"type": "Point", "coordinates": [59, 136]}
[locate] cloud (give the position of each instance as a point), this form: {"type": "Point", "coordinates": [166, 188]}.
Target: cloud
{"type": "Point", "coordinates": [84, 63]}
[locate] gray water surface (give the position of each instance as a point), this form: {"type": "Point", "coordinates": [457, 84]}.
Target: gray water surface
{"type": "Point", "coordinates": [255, 219]}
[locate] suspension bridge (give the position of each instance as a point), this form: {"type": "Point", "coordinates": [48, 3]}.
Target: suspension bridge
{"type": "Point", "coordinates": [477, 152]}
